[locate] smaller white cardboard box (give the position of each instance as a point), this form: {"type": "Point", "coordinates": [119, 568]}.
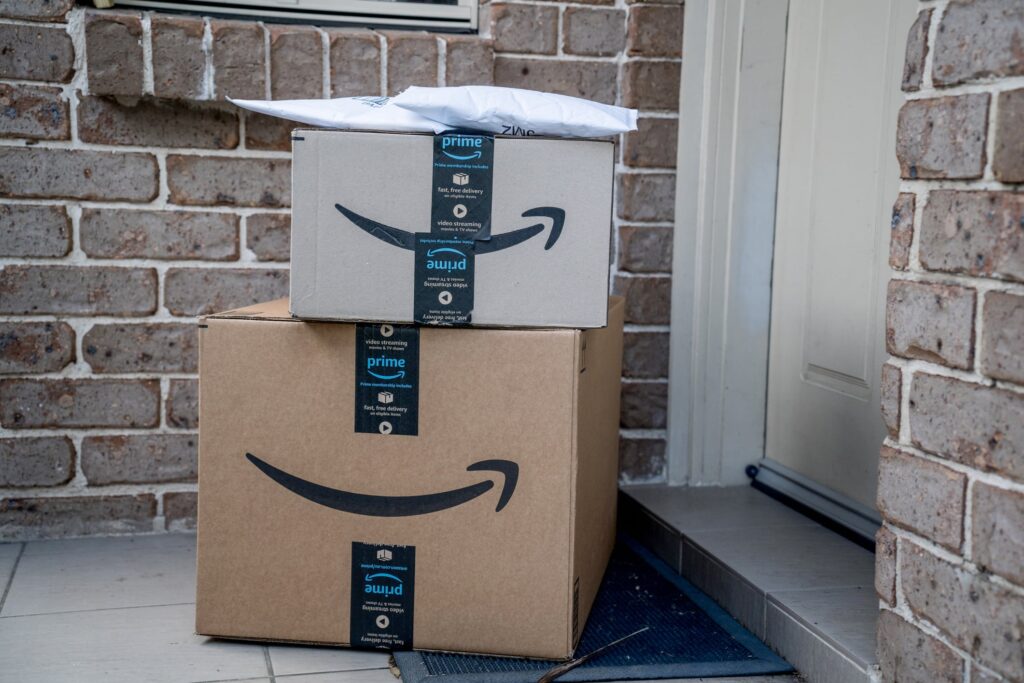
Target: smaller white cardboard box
{"type": "Point", "coordinates": [363, 201]}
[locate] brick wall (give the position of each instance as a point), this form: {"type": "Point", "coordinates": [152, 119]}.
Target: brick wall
{"type": "Point", "coordinates": [950, 556]}
{"type": "Point", "coordinates": [135, 199]}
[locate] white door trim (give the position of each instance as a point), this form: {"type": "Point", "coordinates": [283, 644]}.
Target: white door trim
{"type": "Point", "coordinates": [730, 113]}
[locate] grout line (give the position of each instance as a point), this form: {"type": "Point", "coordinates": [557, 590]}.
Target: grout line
{"type": "Point", "coordinates": [325, 62]}
{"type": "Point", "coordinates": [207, 90]}
{"type": "Point", "coordinates": [10, 579]}
{"type": "Point", "coordinates": [382, 42]}
{"type": "Point", "coordinates": [148, 79]}
{"type": "Point", "coordinates": [268, 662]}
{"type": "Point", "coordinates": [95, 609]}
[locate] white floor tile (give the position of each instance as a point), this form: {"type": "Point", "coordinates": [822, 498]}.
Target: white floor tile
{"type": "Point", "coordinates": [297, 659]}
{"type": "Point", "coordinates": [153, 644]}
{"type": "Point", "coordinates": [846, 618]}
{"type": "Point", "coordinates": [103, 573]}
{"type": "Point", "coordinates": [709, 508]}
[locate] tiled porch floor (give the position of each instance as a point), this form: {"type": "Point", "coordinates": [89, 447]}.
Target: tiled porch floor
{"type": "Point", "coordinates": [121, 609]}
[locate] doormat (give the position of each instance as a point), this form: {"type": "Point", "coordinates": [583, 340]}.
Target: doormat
{"type": "Point", "coordinates": [678, 633]}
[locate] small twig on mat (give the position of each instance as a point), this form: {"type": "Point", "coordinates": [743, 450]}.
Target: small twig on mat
{"type": "Point", "coordinates": [565, 668]}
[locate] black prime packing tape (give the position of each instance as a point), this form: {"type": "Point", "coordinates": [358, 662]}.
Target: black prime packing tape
{"type": "Point", "coordinates": [460, 217]}
{"type": "Point", "coordinates": [382, 596]}
{"type": "Point", "coordinates": [387, 375]}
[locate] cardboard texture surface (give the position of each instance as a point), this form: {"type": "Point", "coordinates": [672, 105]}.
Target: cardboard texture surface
{"type": "Point", "coordinates": [341, 271]}
{"type": "Point", "coordinates": [276, 565]}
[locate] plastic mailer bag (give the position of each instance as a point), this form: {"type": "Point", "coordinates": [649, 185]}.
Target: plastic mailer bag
{"type": "Point", "coordinates": [352, 113]}
{"type": "Point", "coordinates": [511, 111]}
{"type": "Point", "coordinates": [489, 109]}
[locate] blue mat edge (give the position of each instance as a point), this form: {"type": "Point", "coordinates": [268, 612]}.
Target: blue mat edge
{"type": "Point", "coordinates": [413, 669]}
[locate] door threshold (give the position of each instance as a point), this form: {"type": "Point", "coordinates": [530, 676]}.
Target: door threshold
{"type": "Point", "coordinates": [805, 590]}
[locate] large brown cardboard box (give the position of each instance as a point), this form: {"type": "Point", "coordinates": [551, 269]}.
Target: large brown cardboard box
{"type": "Point", "coordinates": [488, 530]}
{"type": "Point", "coordinates": [383, 225]}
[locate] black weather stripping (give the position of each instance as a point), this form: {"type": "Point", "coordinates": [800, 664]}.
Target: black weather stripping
{"type": "Point", "coordinates": [396, 506]}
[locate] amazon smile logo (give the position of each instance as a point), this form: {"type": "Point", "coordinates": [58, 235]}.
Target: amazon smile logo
{"type": "Point", "coordinates": [397, 506]}
{"type": "Point", "coordinates": [391, 586]}
{"type": "Point", "coordinates": [404, 239]}
{"type": "Point", "coordinates": [387, 368]}
{"type": "Point", "coordinates": [463, 157]}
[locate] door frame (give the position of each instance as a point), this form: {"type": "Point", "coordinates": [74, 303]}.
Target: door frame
{"type": "Point", "coordinates": [730, 117]}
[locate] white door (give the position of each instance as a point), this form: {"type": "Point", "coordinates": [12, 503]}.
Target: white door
{"type": "Point", "coordinates": [838, 179]}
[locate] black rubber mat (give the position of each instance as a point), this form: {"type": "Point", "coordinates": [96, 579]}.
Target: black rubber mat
{"type": "Point", "coordinates": [687, 635]}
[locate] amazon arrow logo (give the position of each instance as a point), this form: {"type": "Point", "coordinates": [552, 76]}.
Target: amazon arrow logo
{"type": "Point", "coordinates": [404, 239]}
{"type": "Point", "coordinates": [396, 506]}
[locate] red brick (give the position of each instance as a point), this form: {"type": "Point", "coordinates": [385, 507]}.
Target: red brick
{"type": "Point", "coordinates": [651, 85]}
{"type": "Point", "coordinates": [587, 79]}
{"type": "Point", "coordinates": [641, 460]}
{"type": "Point", "coordinates": [39, 461]}
{"type": "Point", "coordinates": [943, 137]}
{"type": "Point", "coordinates": [36, 53]}
{"type": "Point", "coordinates": [126, 233]}
{"type": "Point", "coordinates": [592, 31]}
{"type": "Point", "coordinates": [647, 196]}
{"type": "Point", "coordinates": [975, 613]}
{"type": "Point", "coordinates": [908, 655]}
{"type": "Point", "coordinates": [1008, 157]}
{"type": "Point", "coordinates": [1002, 339]}
{"type": "Point", "coordinates": [78, 174]}
{"type": "Point", "coordinates": [931, 322]}
{"type": "Point", "coordinates": [648, 299]}
{"type": "Point", "coordinates": [268, 132]}
{"type": "Point", "coordinates": [996, 521]}
{"type": "Point", "coordinates": [77, 290]}
{"type": "Point", "coordinates": [179, 62]}
{"type": "Point", "coordinates": [114, 53]}
{"type": "Point", "coordinates": [239, 60]}
{"type": "Point", "coordinates": [180, 510]}
{"type": "Point", "coordinates": [27, 347]}
{"type": "Point", "coordinates": [143, 347]}
{"type": "Point", "coordinates": [225, 181]}
{"type": "Point", "coordinates": [645, 250]}
{"type": "Point", "coordinates": [200, 291]}
{"type": "Point", "coordinates": [469, 60]}
{"type": "Point", "coordinates": [412, 60]}
{"type": "Point", "coordinates": [40, 231]}
{"type": "Point", "coordinates": [917, 48]}
{"type": "Point", "coordinates": [39, 403]}
{"type": "Point", "coordinates": [33, 113]}
{"type": "Point", "coordinates": [268, 236]}
{"type": "Point", "coordinates": [355, 63]}
{"type": "Point", "coordinates": [978, 39]}
{"type": "Point", "coordinates": [27, 518]}
{"type": "Point", "coordinates": [183, 404]}
{"type": "Point", "coordinates": [296, 63]}
{"type": "Point", "coordinates": [968, 423]}
{"type": "Point", "coordinates": [139, 459]}
{"type": "Point", "coordinates": [524, 28]}
{"type": "Point", "coordinates": [885, 565]}
{"type": "Point", "coordinates": [652, 144]}
{"type": "Point", "coordinates": [902, 231]}
{"type": "Point", "coordinates": [977, 233]}
{"type": "Point", "coordinates": [656, 31]}
{"type": "Point", "coordinates": [155, 123]}
{"type": "Point", "coordinates": [36, 10]}
{"type": "Point", "coordinates": [645, 355]}
{"type": "Point", "coordinates": [922, 496]}
{"type": "Point", "coordinates": [892, 391]}
{"type": "Point", "coordinates": [644, 405]}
